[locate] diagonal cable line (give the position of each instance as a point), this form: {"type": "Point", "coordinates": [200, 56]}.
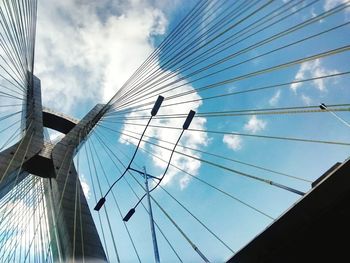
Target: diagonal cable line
{"type": "Point", "coordinates": [262, 88]}
{"type": "Point", "coordinates": [303, 24]}
{"type": "Point", "coordinates": [244, 134]}
{"type": "Point", "coordinates": [207, 153]}
{"type": "Point", "coordinates": [231, 196]}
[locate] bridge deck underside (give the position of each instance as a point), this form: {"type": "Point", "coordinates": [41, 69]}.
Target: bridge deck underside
{"type": "Point", "coordinates": [315, 229]}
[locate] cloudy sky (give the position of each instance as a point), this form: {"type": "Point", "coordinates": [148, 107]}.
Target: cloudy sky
{"type": "Point", "coordinates": [87, 50]}
{"type": "Point", "coordinates": [92, 48]}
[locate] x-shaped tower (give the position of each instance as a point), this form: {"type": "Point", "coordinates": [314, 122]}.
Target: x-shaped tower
{"type": "Point", "coordinates": [32, 155]}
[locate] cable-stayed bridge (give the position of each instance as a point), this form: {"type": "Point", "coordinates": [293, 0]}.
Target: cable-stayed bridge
{"type": "Point", "coordinates": [209, 196]}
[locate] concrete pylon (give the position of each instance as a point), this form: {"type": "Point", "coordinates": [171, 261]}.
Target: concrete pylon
{"type": "Point", "coordinates": [72, 228]}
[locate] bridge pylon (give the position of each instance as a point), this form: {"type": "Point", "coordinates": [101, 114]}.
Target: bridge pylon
{"type": "Point", "coordinates": [73, 233]}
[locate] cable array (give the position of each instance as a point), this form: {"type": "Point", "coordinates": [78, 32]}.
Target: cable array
{"type": "Point", "coordinates": [219, 54]}
{"type": "Point", "coordinates": [225, 60]}
{"type": "Point", "coordinates": [17, 44]}
{"type": "Point", "coordinates": [27, 238]}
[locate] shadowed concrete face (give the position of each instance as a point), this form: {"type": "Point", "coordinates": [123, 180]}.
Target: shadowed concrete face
{"type": "Point", "coordinates": [315, 229]}
{"type": "Point", "coordinates": [63, 191]}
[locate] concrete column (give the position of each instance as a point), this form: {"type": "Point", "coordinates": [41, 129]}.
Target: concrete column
{"type": "Point", "coordinates": [31, 143]}
{"type": "Point", "coordinates": [55, 163]}
{"type": "Point", "coordinates": [87, 242]}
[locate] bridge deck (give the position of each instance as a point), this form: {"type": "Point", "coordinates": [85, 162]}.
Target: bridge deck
{"type": "Point", "coordinates": [313, 230]}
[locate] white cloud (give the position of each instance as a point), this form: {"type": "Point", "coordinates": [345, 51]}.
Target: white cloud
{"type": "Point", "coordinates": [184, 181]}
{"type": "Point", "coordinates": [54, 136]}
{"type": "Point", "coordinates": [329, 4]}
{"type": "Point", "coordinates": [312, 69]}
{"type": "Point", "coordinates": [255, 125]}
{"type": "Point", "coordinates": [275, 98]}
{"type": "Point", "coordinates": [190, 139]}
{"type": "Point", "coordinates": [313, 13]}
{"type": "Point", "coordinates": [306, 99]}
{"type": "Point", "coordinates": [231, 89]}
{"type": "Point", "coordinates": [85, 186]}
{"type": "Point", "coordinates": [233, 142]}
{"type": "Point", "coordinates": [86, 50]}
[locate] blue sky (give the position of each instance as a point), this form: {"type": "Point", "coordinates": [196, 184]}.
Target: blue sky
{"type": "Point", "coordinates": [127, 44]}
{"type": "Point", "coordinates": [85, 51]}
